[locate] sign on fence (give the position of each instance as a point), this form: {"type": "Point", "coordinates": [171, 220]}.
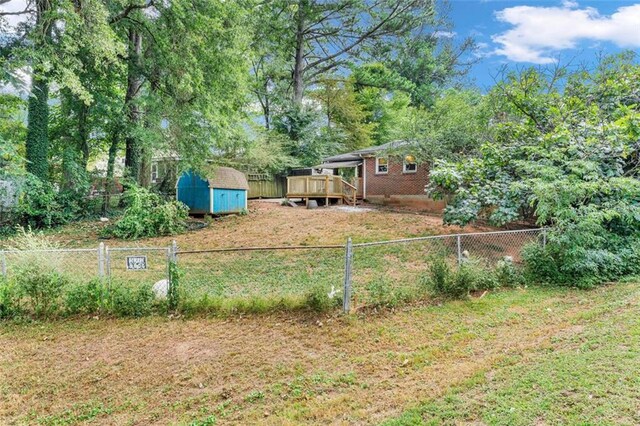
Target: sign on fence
{"type": "Point", "coordinates": [136, 263]}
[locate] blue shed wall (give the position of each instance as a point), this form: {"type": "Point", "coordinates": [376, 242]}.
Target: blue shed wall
{"type": "Point", "coordinates": [229, 200]}
{"type": "Point", "coordinates": [194, 192]}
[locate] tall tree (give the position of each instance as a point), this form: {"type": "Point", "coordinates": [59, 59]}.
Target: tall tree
{"type": "Point", "coordinates": [37, 145]}
{"type": "Point", "coordinates": [48, 43]}
{"type": "Point", "coordinates": [324, 36]}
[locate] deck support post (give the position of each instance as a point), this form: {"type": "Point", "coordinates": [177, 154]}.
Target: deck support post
{"type": "Point", "coordinates": [348, 258]}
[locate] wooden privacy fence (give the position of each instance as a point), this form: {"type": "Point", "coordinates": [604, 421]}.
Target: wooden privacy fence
{"type": "Point", "coordinates": [266, 186]}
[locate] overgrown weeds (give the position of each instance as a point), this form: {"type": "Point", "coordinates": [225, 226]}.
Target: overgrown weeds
{"type": "Point", "coordinates": [457, 282]}
{"type": "Point", "coordinates": [148, 215]}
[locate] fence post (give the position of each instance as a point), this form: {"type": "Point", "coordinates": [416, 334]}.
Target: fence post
{"type": "Point", "coordinates": [101, 260]}
{"type": "Point", "coordinates": [174, 251]}
{"type": "Point", "coordinates": [348, 258]}
{"type": "Point", "coordinates": [459, 243]}
{"type": "Point", "coordinates": [544, 238]}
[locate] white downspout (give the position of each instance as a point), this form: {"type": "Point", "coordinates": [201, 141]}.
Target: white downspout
{"type": "Point", "coordinates": [364, 178]}
{"type": "Point", "coordinates": [211, 200]}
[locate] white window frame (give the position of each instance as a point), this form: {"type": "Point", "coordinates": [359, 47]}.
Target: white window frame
{"type": "Point", "coordinates": [378, 172]}
{"type": "Point", "coordinates": [405, 163]}
{"type": "Point", "coordinates": [154, 170]}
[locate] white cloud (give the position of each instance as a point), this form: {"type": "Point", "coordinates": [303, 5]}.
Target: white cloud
{"type": "Point", "coordinates": [539, 32]}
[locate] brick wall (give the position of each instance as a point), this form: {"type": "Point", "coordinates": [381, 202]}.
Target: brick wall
{"type": "Point", "coordinates": [395, 182]}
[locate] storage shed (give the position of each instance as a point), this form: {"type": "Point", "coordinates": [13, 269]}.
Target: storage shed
{"type": "Point", "coordinates": [223, 191]}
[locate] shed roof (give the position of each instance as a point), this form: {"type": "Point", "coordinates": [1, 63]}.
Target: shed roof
{"type": "Point", "coordinates": [227, 178]}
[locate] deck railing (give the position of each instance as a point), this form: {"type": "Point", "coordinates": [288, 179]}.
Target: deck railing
{"type": "Point", "coordinates": [314, 186]}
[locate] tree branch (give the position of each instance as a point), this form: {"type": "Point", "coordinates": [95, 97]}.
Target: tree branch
{"type": "Point", "coordinates": [127, 10]}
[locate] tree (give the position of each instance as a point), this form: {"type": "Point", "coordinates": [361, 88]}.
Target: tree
{"type": "Point", "coordinates": [55, 31]}
{"type": "Point", "coordinates": [566, 158]}
{"type": "Point", "coordinates": [324, 36]}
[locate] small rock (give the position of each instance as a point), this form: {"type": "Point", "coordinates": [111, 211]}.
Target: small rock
{"type": "Point", "coordinates": [161, 289]}
{"type": "Point", "coordinates": [104, 219]}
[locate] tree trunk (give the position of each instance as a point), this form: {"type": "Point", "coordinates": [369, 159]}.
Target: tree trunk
{"type": "Point", "coordinates": [111, 163]}
{"type": "Point", "coordinates": [37, 145]}
{"type": "Point", "coordinates": [266, 106]}
{"type": "Point", "coordinates": [298, 66]}
{"type": "Point", "coordinates": [83, 134]}
{"type": "Point", "coordinates": [133, 150]}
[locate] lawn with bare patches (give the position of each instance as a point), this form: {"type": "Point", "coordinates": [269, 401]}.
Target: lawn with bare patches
{"type": "Point", "coordinates": [408, 365]}
{"type": "Point", "coordinates": [270, 224]}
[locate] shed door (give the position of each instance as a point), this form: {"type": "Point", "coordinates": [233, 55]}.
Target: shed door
{"type": "Point", "coordinates": [228, 200]}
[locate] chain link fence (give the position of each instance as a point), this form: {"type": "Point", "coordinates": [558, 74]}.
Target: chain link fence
{"type": "Point", "coordinates": [77, 265]}
{"type": "Point", "coordinates": [400, 266]}
{"type": "Point", "coordinates": [357, 273]}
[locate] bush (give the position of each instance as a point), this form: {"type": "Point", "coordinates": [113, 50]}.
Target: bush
{"type": "Point", "coordinates": [148, 215]}
{"type": "Point", "coordinates": [508, 275]}
{"type": "Point", "coordinates": [41, 206]}
{"type": "Point", "coordinates": [9, 301]}
{"type": "Point", "coordinates": [42, 287]}
{"type": "Point", "coordinates": [125, 301]}
{"type": "Point", "coordinates": [320, 300]}
{"type": "Point", "coordinates": [457, 283]}
{"type": "Point", "coordinates": [86, 299]}
{"type": "Point", "coordinates": [577, 265]}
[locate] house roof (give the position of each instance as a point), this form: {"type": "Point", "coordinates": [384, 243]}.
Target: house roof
{"type": "Point", "coordinates": [227, 178]}
{"type": "Point", "coordinates": [366, 152]}
{"type": "Point", "coordinates": [338, 164]}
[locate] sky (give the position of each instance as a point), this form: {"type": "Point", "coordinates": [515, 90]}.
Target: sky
{"type": "Point", "coordinates": [544, 32]}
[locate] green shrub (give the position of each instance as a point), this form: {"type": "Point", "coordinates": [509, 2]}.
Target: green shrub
{"type": "Point", "coordinates": [125, 301]}
{"type": "Point", "coordinates": [148, 215]}
{"type": "Point", "coordinates": [471, 275]}
{"type": "Point", "coordinates": [577, 266]}
{"type": "Point", "coordinates": [9, 300]}
{"type": "Point", "coordinates": [508, 275]}
{"type": "Point", "coordinates": [42, 288]}
{"type": "Point", "coordinates": [40, 205]}
{"type": "Point", "coordinates": [85, 299]}
{"type": "Point", "coordinates": [319, 299]}
{"type": "Point", "coordinates": [439, 276]}
{"type": "Point", "coordinates": [381, 293]}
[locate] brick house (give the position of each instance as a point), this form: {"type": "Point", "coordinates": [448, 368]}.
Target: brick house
{"type": "Point", "coordinates": [387, 174]}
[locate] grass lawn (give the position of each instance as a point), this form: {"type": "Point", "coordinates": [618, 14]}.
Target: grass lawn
{"type": "Point", "coordinates": [524, 356]}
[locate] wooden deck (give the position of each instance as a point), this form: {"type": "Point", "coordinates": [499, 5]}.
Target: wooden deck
{"type": "Point", "coordinates": [327, 187]}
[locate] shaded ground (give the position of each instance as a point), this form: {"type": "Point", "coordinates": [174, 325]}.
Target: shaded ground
{"type": "Point", "coordinates": [471, 362]}
{"type": "Point", "coordinates": [271, 224]}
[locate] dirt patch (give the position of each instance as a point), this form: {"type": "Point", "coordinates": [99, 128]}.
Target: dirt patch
{"type": "Point", "coordinates": [271, 224]}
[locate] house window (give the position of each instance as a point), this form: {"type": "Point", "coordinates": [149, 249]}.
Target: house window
{"type": "Point", "coordinates": [409, 165]}
{"type": "Point", "coordinates": [154, 172]}
{"type": "Point", "coordinates": [382, 165]}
